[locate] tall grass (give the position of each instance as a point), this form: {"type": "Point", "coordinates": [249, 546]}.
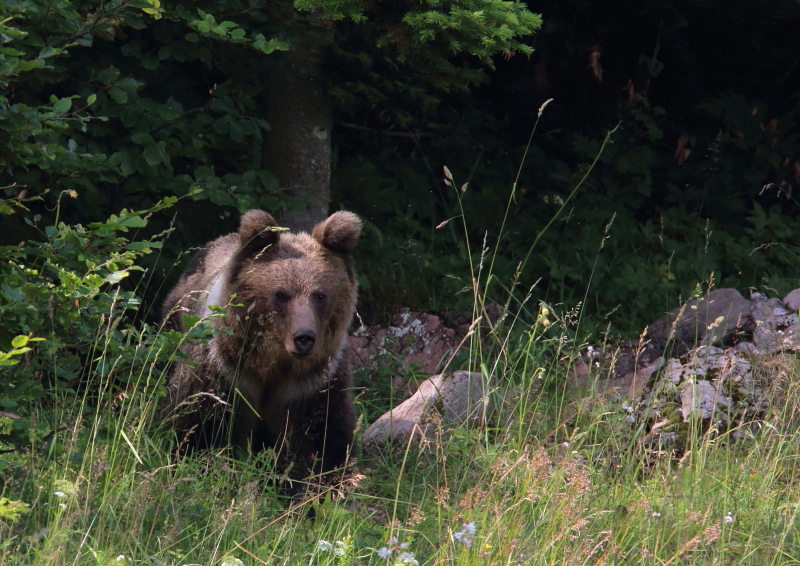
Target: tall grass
{"type": "Point", "coordinates": [556, 480]}
{"type": "Point", "coordinates": [556, 477]}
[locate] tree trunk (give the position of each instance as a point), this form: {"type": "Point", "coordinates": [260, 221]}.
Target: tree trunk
{"type": "Point", "coordinates": [298, 147]}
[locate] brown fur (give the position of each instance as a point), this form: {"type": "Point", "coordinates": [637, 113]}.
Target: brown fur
{"type": "Point", "coordinates": [279, 362]}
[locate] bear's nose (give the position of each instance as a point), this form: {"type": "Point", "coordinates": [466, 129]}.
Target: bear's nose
{"type": "Point", "coordinates": [304, 341]}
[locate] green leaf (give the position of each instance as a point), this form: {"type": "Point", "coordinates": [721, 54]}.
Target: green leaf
{"type": "Point", "coordinates": [19, 341]}
{"type": "Point", "coordinates": [117, 276]}
{"type": "Point", "coordinates": [119, 95]}
{"type": "Point", "coordinates": [62, 106]}
{"type": "Point", "coordinates": [189, 321]}
{"type": "Point", "coordinates": [152, 156]}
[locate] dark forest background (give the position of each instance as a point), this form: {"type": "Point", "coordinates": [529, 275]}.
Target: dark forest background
{"type": "Point", "coordinates": [125, 103]}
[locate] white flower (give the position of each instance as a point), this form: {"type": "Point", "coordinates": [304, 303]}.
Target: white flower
{"type": "Point", "coordinates": [729, 518]}
{"type": "Point", "coordinates": [384, 552]}
{"type": "Point", "coordinates": [62, 505]}
{"type": "Point", "coordinates": [340, 549]}
{"type": "Point", "coordinates": [324, 546]}
{"type": "Point", "coordinates": [407, 558]}
{"type": "Point", "coordinates": [231, 561]}
{"type": "Point", "coordinates": [59, 494]}
{"type": "Point", "coordinates": [123, 558]}
{"type": "Point", "coordinates": [565, 444]}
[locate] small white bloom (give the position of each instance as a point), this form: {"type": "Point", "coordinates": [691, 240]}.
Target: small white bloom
{"type": "Point", "coordinates": [340, 549]}
{"type": "Point", "coordinates": [403, 545]}
{"type": "Point", "coordinates": [324, 546]}
{"type": "Point", "coordinates": [384, 552]}
{"type": "Point", "coordinates": [59, 494]}
{"type": "Point", "coordinates": [123, 558]}
{"type": "Point", "coordinates": [459, 535]}
{"type": "Point", "coordinates": [656, 514]}
{"type": "Point", "coordinates": [565, 444]}
{"type": "Point", "coordinates": [729, 518]}
{"type": "Point", "coordinates": [62, 505]}
{"type": "Point", "coordinates": [408, 558]}
{"type": "Point", "coordinates": [231, 561]}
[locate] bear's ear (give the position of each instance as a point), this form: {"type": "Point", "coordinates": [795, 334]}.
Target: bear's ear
{"type": "Point", "coordinates": [339, 232]}
{"type": "Point", "coordinates": [256, 231]}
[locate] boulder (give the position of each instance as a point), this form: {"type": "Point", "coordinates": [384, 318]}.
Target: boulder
{"type": "Point", "coordinates": [710, 320]}
{"type": "Point", "coordinates": [441, 403]}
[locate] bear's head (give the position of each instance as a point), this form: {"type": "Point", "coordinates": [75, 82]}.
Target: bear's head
{"type": "Point", "coordinates": [297, 292]}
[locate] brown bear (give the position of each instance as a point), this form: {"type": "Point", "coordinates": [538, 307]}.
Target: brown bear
{"type": "Point", "coordinates": [277, 373]}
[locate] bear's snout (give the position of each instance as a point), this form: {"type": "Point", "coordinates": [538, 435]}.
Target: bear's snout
{"type": "Point", "coordinates": [304, 341]}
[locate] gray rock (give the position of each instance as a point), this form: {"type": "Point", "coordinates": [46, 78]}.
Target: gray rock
{"type": "Point", "coordinates": [713, 386]}
{"type": "Point", "coordinates": [442, 402]}
{"type": "Point", "coordinates": [699, 399]}
{"type": "Point", "coordinates": [710, 320]}
{"type": "Point", "coordinates": [792, 300]}
{"type": "Point", "coordinates": [772, 320]}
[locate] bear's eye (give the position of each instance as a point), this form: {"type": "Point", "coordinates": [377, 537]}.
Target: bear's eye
{"type": "Point", "coordinates": [281, 297]}
{"type": "Point", "coordinates": [319, 297]}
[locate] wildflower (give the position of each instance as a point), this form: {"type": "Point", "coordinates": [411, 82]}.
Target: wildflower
{"type": "Point", "coordinates": [565, 444]}
{"type": "Point", "coordinates": [656, 514]}
{"type": "Point", "coordinates": [62, 505]}
{"type": "Point", "coordinates": [324, 546]}
{"type": "Point", "coordinates": [407, 558]}
{"type": "Point", "coordinates": [384, 552]}
{"type": "Point", "coordinates": [729, 518]}
{"type": "Point", "coordinates": [627, 408]}
{"type": "Point", "coordinates": [340, 548]}
{"type": "Point", "coordinates": [630, 419]}
{"type": "Point", "coordinates": [231, 561]}
{"type": "Point", "coordinates": [123, 558]}
{"type": "Point", "coordinates": [403, 545]}
{"type": "Point", "coordinates": [467, 534]}
{"type": "Point", "coordinates": [59, 494]}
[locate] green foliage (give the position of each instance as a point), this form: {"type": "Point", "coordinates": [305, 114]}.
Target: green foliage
{"type": "Point", "coordinates": [12, 510]}
{"type": "Point", "coordinates": [648, 227]}
{"type": "Point", "coordinates": [66, 291]}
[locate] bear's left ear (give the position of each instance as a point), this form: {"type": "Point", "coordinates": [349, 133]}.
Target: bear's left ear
{"type": "Point", "coordinates": [339, 232]}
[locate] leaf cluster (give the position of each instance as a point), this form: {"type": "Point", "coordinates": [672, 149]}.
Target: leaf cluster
{"type": "Point", "coordinates": [67, 323]}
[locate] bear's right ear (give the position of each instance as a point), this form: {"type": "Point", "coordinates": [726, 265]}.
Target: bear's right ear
{"type": "Point", "coordinates": [257, 231]}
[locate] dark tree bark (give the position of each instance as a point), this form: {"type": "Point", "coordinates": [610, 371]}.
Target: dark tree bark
{"type": "Point", "coordinates": [298, 147]}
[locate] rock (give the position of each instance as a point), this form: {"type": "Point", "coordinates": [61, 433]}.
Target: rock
{"type": "Point", "coordinates": [442, 402]}
{"type": "Point", "coordinates": [413, 339]}
{"type": "Point", "coordinates": [712, 386]}
{"type": "Point", "coordinates": [704, 321]}
{"type": "Point", "coordinates": [792, 300]}
{"type": "Point", "coordinates": [699, 399]}
{"type": "Point", "coordinates": [713, 319]}
{"type": "Point", "coordinates": [772, 321]}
